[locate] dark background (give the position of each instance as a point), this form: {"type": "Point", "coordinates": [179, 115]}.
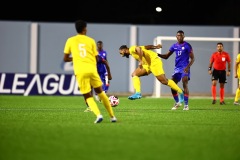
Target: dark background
{"type": "Point", "coordinates": [184, 12]}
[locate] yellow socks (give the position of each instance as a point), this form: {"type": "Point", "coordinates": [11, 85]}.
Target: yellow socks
{"type": "Point", "coordinates": [136, 84]}
{"type": "Point", "coordinates": [106, 103]}
{"type": "Point", "coordinates": [93, 106]}
{"type": "Point", "coordinates": [174, 86]}
{"type": "Point", "coordinates": [237, 95]}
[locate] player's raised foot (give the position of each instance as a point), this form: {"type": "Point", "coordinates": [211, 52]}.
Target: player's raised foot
{"type": "Point", "coordinates": [137, 95]}
{"type": "Point", "coordinates": [186, 108]}
{"type": "Point", "coordinates": [176, 105]}
{"type": "Point", "coordinates": [88, 109]}
{"type": "Point", "coordinates": [113, 119]}
{"type": "Point", "coordinates": [99, 119]}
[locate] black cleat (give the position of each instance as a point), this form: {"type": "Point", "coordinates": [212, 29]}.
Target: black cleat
{"type": "Point", "coordinates": [214, 102]}
{"type": "Point", "coordinates": [222, 103]}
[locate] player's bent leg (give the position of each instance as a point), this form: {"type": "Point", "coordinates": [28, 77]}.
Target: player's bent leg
{"type": "Point", "coordinates": [106, 103]}
{"type": "Point", "coordinates": [174, 86]}
{"type": "Point", "coordinates": [137, 82]}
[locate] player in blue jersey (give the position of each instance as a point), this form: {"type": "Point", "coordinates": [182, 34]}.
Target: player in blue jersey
{"type": "Point", "coordinates": [103, 67]}
{"type": "Point", "coordinates": [103, 70]}
{"type": "Point", "coordinates": [183, 60]}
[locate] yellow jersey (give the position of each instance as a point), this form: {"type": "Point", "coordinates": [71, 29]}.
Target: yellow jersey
{"type": "Point", "coordinates": [84, 52]}
{"type": "Point", "coordinates": [148, 55]}
{"type": "Point", "coordinates": [238, 61]}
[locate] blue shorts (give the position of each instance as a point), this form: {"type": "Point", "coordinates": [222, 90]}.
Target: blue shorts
{"type": "Point", "coordinates": [179, 76]}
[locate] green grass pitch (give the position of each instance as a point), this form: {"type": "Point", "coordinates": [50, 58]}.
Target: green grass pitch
{"type": "Point", "coordinates": [55, 127]}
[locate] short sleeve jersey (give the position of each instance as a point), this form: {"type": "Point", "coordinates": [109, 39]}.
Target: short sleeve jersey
{"type": "Point", "coordinates": [84, 52]}
{"type": "Point", "coordinates": [182, 52]}
{"type": "Point", "coordinates": [102, 55]}
{"type": "Point", "coordinates": [149, 55]}
{"type": "Point", "coordinates": [219, 60]}
{"type": "Point", "coordinates": [238, 61]}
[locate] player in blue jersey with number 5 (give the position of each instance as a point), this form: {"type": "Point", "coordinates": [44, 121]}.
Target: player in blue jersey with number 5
{"type": "Point", "coordinates": [183, 61]}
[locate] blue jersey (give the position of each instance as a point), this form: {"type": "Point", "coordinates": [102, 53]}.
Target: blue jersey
{"type": "Point", "coordinates": [102, 55]}
{"type": "Point", "coordinates": [182, 51]}
{"type": "Point", "coordinates": [102, 70]}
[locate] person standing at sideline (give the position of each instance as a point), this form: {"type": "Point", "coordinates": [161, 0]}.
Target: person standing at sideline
{"type": "Point", "coordinates": [148, 62]}
{"type": "Point", "coordinates": [237, 75]}
{"type": "Point", "coordinates": [84, 57]}
{"type": "Point", "coordinates": [218, 60]}
{"type": "Point", "coordinates": [183, 61]}
{"type": "Point", "coordinates": [103, 71]}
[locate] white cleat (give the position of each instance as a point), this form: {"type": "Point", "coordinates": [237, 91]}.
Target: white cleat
{"type": "Point", "coordinates": [99, 119]}
{"type": "Point", "coordinates": [176, 105]}
{"type": "Point", "coordinates": [113, 119]}
{"type": "Point", "coordinates": [186, 108]}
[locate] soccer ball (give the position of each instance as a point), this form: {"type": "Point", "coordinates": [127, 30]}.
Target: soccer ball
{"type": "Point", "coordinates": [114, 101]}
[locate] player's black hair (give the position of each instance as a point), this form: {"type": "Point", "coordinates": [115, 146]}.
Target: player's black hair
{"type": "Point", "coordinates": [180, 31]}
{"type": "Point", "coordinates": [220, 43]}
{"type": "Point", "coordinates": [80, 25]}
{"type": "Point", "coordinates": [123, 47]}
{"type": "Point", "coordinates": [99, 42]}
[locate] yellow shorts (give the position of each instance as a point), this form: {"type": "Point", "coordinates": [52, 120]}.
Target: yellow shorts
{"type": "Point", "coordinates": [156, 67]}
{"type": "Point", "coordinates": [86, 80]}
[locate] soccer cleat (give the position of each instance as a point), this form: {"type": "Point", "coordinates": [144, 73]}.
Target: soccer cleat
{"type": "Point", "coordinates": [186, 108]}
{"type": "Point", "coordinates": [236, 103]}
{"type": "Point", "coordinates": [222, 103]}
{"type": "Point", "coordinates": [176, 105]}
{"type": "Point", "coordinates": [137, 95]}
{"type": "Point", "coordinates": [99, 119]}
{"type": "Point", "coordinates": [113, 119]}
{"type": "Point", "coordinates": [88, 109]}
{"type": "Point", "coordinates": [214, 102]}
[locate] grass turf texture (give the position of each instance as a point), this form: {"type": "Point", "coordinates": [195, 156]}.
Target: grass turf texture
{"type": "Point", "coordinates": [55, 127]}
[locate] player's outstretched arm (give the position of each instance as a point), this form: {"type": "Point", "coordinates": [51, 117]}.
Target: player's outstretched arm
{"type": "Point", "coordinates": [165, 56]}
{"type": "Point", "coordinates": [153, 46]}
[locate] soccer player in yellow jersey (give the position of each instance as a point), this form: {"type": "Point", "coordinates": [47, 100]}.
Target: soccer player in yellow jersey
{"type": "Point", "coordinates": [237, 75]}
{"type": "Point", "coordinates": [84, 56]}
{"type": "Point", "coordinates": [148, 62]}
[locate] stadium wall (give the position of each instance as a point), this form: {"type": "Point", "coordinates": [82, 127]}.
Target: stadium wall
{"type": "Point", "coordinates": [37, 47]}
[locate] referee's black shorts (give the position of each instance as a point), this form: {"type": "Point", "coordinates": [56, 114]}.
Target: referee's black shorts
{"type": "Point", "coordinates": [219, 75]}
